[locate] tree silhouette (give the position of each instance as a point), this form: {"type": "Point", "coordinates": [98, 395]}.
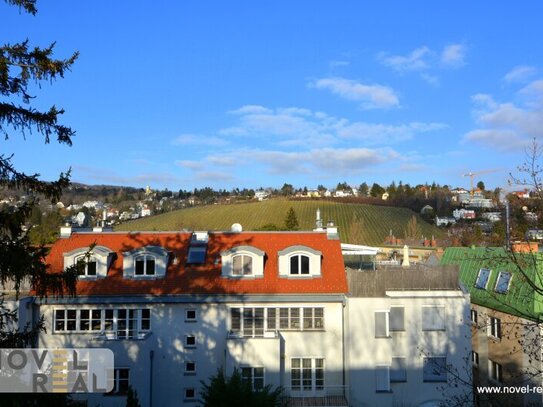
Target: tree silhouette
{"type": "Point", "coordinates": [291, 220]}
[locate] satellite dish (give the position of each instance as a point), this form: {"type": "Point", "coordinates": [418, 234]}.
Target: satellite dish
{"type": "Point", "coordinates": [236, 228]}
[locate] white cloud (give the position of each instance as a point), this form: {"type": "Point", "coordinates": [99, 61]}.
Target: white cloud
{"type": "Point", "coordinates": [430, 79]}
{"type": "Point", "coordinates": [195, 139]}
{"type": "Point", "coordinates": [508, 125]}
{"type": "Point", "coordinates": [415, 61]}
{"type": "Point", "coordinates": [335, 64]}
{"type": "Point", "coordinates": [289, 127]}
{"type": "Point", "coordinates": [371, 96]}
{"type": "Point", "coordinates": [192, 165]}
{"type": "Point", "coordinates": [453, 56]}
{"type": "Point", "coordinates": [520, 73]}
{"type": "Point", "coordinates": [250, 109]}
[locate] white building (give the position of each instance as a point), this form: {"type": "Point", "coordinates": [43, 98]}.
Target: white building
{"type": "Point", "coordinates": [175, 306]}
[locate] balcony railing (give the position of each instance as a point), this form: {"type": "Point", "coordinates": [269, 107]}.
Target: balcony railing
{"type": "Point", "coordinates": [255, 334]}
{"type": "Point", "coordinates": [328, 396]}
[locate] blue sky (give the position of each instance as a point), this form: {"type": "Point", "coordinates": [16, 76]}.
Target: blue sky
{"type": "Point", "coordinates": [258, 93]}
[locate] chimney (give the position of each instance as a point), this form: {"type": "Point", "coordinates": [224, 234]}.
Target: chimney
{"type": "Point", "coordinates": [318, 222]}
{"type": "Point", "coordinates": [65, 231]}
{"type": "Point", "coordinates": [331, 231]}
{"type": "Point", "coordinates": [405, 261]}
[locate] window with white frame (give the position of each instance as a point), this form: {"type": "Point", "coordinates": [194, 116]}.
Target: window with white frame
{"type": "Point", "coordinates": [473, 316]}
{"type": "Point", "coordinates": [145, 262]}
{"type": "Point", "coordinates": [433, 318]}
{"type": "Point", "coordinates": [189, 394]}
{"type": "Point", "coordinates": [381, 324]}
{"type": "Point", "coordinates": [190, 341]}
{"type": "Point", "coordinates": [145, 265]}
{"type": "Point", "coordinates": [242, 265]}
{"type": "Point", "coordinates": [474, 358]}
{"type": "Point", "coordinates": [254, 376]}
{"type": "Point", "coordinates": [190, 315]}
{"type": "Point", "coordinates": [398, 369]}
{"type": "Point", "coordinates": [253, 322]}
{"type": "Point", "coordinates": [307, 374]}
{"type": "Point", "coordinates": [86, 266]}
{"type": "Point", "coordinates": [299, 262]}
{"type": "Point", "coordinates": [502, 283]}
{"type": "Point", "coordinates": [114, 323]}
{"type": "Point", "coordinates": [382, 379]}
{"type": "Point", "coordinates": [434, 369]}
{"type": "Point", "coordinates": [495, 371]}
{"type": "Point", "coordinates": [91, 263]}
{"type": "Point", "coordinates": [495, 327]}
{"type": "Point", "coordinates": [190, 367]}
{"type": "Point", "coordinates": [482, 278]}
{"type": "Point", "coordinates": [121, 381]}
{"type": "Point", "coordinates": [299, 265]}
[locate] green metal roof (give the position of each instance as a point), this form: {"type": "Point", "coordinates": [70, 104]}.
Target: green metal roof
{"type": "Point", "coordinates": [521, 298]}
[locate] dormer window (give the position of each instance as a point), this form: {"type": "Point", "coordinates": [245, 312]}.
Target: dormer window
{"type": "Point", "coordinates": [145, 262]}
{"type": "Point", "coordinates": [145, 266]}
{"type": "Point", "coordinates": [96, 261]}
{"type": "Point", "coordinates": [299, 262]}
{"type": "Point", "coordinates": [89, 270]}
{"type": "Point", "coordinates": [243, 262]}
{"type": "Point", "coordinates": [242, 265]}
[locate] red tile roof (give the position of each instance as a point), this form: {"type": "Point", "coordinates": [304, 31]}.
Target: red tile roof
{"type": "Point", "coordinates": [206, 278]}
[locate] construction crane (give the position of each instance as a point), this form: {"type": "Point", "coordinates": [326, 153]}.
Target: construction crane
{"type": "Point", "coordinates": [473, 174]}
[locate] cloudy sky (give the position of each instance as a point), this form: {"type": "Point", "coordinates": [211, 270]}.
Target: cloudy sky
{"type": "Point", "coordinates": [258, 93]}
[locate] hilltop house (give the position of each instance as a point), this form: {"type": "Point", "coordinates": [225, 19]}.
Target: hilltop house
{"type": "Point", "coordinates": [280, 306]}
{"type": "Point", "coordinates": [505, 316]}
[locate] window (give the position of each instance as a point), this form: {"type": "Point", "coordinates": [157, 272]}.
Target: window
{"type": "Point", "coordinates": [253, 322]}
{"type": "Point", "coordinates": [398, 370]}
{"type": "Point", "coordinates": [495, 371]}
{"type": "Point", "coordinates": [299, 264]}
{"type": "Point", "coordinates": [197, 255]}
{"type": "Point", "coordinates": [242, 265]}
{"type": "Point", "coordinates": [190, 393]}
{"type": "Point", "coordinates": [433, 318]}
{"type": "Point", "coordinates": [306, 374]}
{"type": "Point", "coordinates": [190, 341]}
{"type": "Point", "coordinates": [502, 284]}
{"type": "Point", "coordinates": [495, 327]}
{"type": "Point", "coordinates": [434, 369]}
{"type": "Point", "coordinates": [121, 381]}
{"type": "Point", "coordinates": [124, 323]}
{"type": "Point", "coordinates": [396, 319]}
{"type": "Point", "coordinates": [382, 379]}
{"type": "Point", "coordinates": [145, 266]}
{"type": "Point", "coordinates": [190, 367]}
{"type": "Point", "coordinates": [248, 322]}
{"type": "Point", "coordinates": [190, 315]}
{"type": "Point", "coordinates": [381, 324]}
{"type": "Point", "coordinates": [474, 358]}
{"type": "Point", "coordinates": [482, 279]}
{"type": "Point", "coordinates": [473, 316]}
{"type": "Point", "coordinates": [253, 376]}
{"type": "Point", "coordinates": [89, 268]}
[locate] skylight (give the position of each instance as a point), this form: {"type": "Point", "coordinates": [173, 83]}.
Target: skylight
{"type": "Point", "coordinates": [482, 279]}
{"type": "Point", "coordinates": [502, 285]}
{"type": "Point", "coordinates": [198, 248]}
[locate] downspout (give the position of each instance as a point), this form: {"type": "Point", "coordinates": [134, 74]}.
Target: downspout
{"type": "Point", "coordinates": [344, 344]}
{"type": "Point", "coordinates": [151, 357]}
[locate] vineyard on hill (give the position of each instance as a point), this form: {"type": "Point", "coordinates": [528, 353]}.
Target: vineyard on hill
{"type": "Point", "coordinates": [357, 223]}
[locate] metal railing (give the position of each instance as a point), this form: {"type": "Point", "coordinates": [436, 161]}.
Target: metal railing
{"type": "Point", "coordinates": [327, 396]}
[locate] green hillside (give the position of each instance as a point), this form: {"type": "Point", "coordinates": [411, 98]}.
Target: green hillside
{"type": "Point", "coordinates": [357, 223]}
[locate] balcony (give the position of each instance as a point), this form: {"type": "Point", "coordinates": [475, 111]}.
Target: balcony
{"type": "Point", "coordinates": [329, 396]}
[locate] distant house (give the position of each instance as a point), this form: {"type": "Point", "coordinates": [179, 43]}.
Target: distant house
{"type": "Point", "coordinates": [261, 195]}
{"type": "Point", "coordinates": [313, 193]}
{"type": "Point", "coordinates": [464, 214]}
{"type": "Point", "coordinates": [522, 194]}
{"type": "Point", "coordinates": [145, 211]}
{"type": "Point", "coordinates": [385, 196]}
{"type": "Point", "coordinates": [492, 216]}
{"type": "Point", "coordinates": [534, 234]}
{"type": "Point", "coordinates": [327, 193]}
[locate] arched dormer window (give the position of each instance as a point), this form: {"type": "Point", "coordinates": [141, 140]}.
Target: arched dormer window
{"type": "Point", "coordinates": [145, 262]}
{"type": "Point", "coordinates": [96, 261]}
{"type": "Point", "coordinates": [299, 262]}
{"type": "Point", "coordinates": [243, 262]}
{"type": "Point", "coordinates": [145, 265]}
